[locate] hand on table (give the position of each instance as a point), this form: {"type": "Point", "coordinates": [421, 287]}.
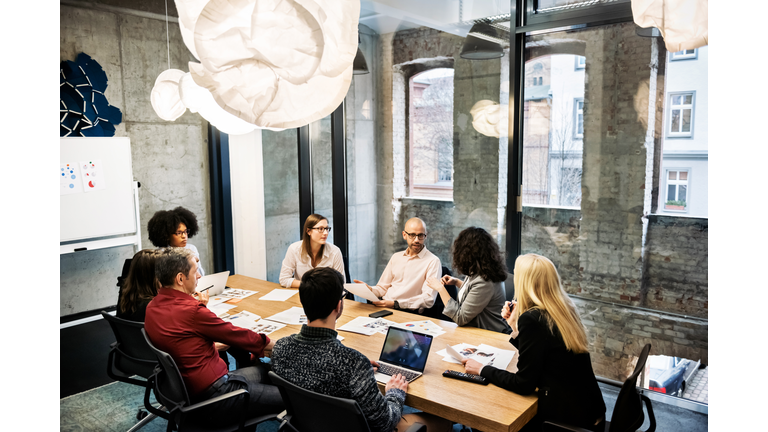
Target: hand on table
{"type": "Point", "coordinates": [472, 366]}
{"type": "Point", "coordinates": [396, 382]}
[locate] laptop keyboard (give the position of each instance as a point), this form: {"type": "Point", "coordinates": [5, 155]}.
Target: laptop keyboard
{"type": "Point", "coordinates": [393, 370]}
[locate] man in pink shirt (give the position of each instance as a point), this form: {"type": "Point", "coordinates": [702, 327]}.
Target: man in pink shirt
{"type": "Point", "coordinates": [403, 285]}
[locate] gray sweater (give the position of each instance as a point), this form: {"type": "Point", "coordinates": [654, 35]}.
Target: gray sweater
{"type": "Point", "coordinates": [315, 360]}
{"type": "Point", "coordinates": [479, 306]}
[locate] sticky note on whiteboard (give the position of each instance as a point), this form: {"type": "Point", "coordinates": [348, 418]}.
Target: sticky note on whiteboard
{"type": "Point", "coordinates": [92, 175]}
{"type": "Point", "coordinates": [69, 179]}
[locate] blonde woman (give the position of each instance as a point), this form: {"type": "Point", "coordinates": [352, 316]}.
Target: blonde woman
{"type": "Point", "coordinates": [552, 344]}
{"type": "Point", "coordinates": [310, 252]}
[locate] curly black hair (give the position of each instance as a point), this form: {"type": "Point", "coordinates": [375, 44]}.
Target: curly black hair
{"type": "Point", "coordinates": [476, 253]}
{"type": "Point", "coordinates": [165, 222]}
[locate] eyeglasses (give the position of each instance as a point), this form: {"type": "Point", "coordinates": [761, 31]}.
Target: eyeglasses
{"type": "Point", "coordinates": [413, 236]}
{"type": "Point", "coordinates": [343, 293]}
{"type": "Point", "coordinates": [321, 229]}
{"type": "Point", "coordinates": [181, 233]}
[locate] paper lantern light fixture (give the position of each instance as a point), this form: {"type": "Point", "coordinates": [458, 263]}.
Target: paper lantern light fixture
{"type": "Point", "coordinates": [682, 23]}
{"type": "Point", "coordinates": [272, 64]}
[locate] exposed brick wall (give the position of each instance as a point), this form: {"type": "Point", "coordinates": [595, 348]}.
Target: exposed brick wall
{"type": "Point", "coordinates": [677, 265]}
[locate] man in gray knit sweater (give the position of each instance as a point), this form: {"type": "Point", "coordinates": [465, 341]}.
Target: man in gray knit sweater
{"type": "Point", "coordinates": [315, 360]}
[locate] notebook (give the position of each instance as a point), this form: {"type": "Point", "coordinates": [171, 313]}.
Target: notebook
{"type": "Point", "coordinates": [218, 281]}
{"type": "Point", "coordinates": [404, 352]}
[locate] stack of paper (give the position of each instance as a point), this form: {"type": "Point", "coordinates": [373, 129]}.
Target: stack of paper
{"type": "Point", "coordinates": [426, 326]}
{"type": "Point", "coordinates": [235, 295]}
{"type": "Point", "coordinates": [294, 315]}
{"type": "Point", "coordinates": [367, 325]}
{"type": "Point", "coordinates": [485, 354]}
{"type": "Point", "coordinates": [253, 322]}
{"type": "Point", "coordinates": [221, 309]}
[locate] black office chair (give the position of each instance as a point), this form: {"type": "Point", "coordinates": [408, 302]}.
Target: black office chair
{"type": "Point", "coordinates": [307, 411]}
{"type": "Point", "coordinates": [182, 415]}
{"type": "Point", "coordinates": [628, 412]}
{"type": "Point", "coordinates": [436, 311]}
{"type": "Point", "coordinates": [129, 356]}
{"type": "Point", "coordinates": [509, 287]}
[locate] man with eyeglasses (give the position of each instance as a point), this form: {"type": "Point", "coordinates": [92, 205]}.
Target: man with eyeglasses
{"type": "Point", "coordinates": [403, 285]}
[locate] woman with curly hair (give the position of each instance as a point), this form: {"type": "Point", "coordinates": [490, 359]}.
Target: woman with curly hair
{"type": "Point", "coordinates": [140, 286]}
{"type": "Point", "coordinates": [481, 293]}
{"type": "Point", "coordinates": [552, 342]}
{"type": "Point", "coordinates": [173, 228]}
{"type": "Point", "coordinates": [310, 252]}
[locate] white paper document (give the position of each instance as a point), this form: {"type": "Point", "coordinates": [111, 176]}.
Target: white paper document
{"type": "Point", "coordinates": [367, 325]}
{"type": "Point", "coordinates": [267, 327]}
{"type": "Point", "coordinates": [234, 293]}
{"type": "Point", "coordinates": [243, 319]}
{"type": "Point", "coordinates": [426, 326]}
{"type": "Point", "coordinates": [221, 309]}
{"type": "Point", "coordinates": [217, 300]}
{"type": "Point", "coordinates": [294, 315]}
{"type": "Point", "coordinates": [279, 294]}
{"type": "Point", "coordinates": [485, 354]}
{"type": "Point", "coordinates": [360, 290]}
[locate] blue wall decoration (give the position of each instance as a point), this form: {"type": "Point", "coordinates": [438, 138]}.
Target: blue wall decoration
{"type": "Point", "coordinates": [84, 110]}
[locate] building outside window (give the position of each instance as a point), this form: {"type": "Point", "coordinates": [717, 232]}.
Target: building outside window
{"type": "Point", "coordinates": [578, 117]}
{"type": "Point", "coordinates": [431, 134]}
{"type": "Point", "coordinates": [684, 55]}
{"type": "Point", "coordinates": [681, 114]}
{"type": "Point", "coordinates": [677, 190]}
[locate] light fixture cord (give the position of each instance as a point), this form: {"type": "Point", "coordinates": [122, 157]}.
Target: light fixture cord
{"type": "Point", "coordinates": [167, 37]}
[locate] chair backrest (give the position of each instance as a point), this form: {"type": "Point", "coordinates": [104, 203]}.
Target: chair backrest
{"type": "Point", "coordinates": [509, 287]}
{"type": "Point", "coordinates": [315, 412]}
{"type": "Point", "coordinates": [133, 357]}
{"type": "Point", "coordinates": [628, 412]}
{"type": "Point", "coordinates": [169, 385]}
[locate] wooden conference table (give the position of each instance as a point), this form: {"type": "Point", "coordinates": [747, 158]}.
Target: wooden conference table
{"type": "Point", "coordinates": [488, 408]}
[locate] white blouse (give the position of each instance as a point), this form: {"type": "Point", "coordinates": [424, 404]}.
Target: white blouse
{"type": "Point", "coordinates": [296, 264]}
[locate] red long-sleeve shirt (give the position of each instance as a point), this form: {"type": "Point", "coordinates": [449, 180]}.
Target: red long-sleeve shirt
{"type": "Point", "coordinates": [179, 325]}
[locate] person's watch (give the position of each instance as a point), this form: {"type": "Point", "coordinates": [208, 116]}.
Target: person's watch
{"type": "Point", "coordinates": [397, 305]}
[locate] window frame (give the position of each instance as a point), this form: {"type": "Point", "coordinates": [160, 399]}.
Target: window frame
{"type": "Point", "coordinates": [578, 65]}
{"type": "Point", "coordinates": [576, 110]}
{"type": "Point", "coordinates": [677, 182]}
{"type": "Point", "coordinates": [674, 57]}
{"type": "Point", "coordinates": [671, 108]}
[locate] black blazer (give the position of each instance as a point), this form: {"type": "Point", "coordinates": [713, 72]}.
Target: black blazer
{"type": "Point", "coordinates": [568, 390]}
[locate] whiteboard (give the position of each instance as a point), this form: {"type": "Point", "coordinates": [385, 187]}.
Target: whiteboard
{"type": "Point", "coordinates": [106, 206]}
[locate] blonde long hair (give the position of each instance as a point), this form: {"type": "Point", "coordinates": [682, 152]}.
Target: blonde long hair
{"type": "Point", "coordinates": [538, 286]}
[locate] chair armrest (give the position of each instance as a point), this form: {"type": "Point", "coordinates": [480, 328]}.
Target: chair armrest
{"type": "Point", "coordinates": [651, 417]}
{"type": "Point", "coordinates": [417, 427]}
{"type": "Point", "coordinates": [552, 426]}
{"type": "Point", "coordinates": [220, 398]}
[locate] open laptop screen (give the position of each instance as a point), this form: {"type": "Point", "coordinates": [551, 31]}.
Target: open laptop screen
{"type": "Point", "coordinates": [406, 348]}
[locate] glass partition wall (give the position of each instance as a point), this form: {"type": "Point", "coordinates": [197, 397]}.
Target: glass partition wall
{"type": "Point", "coordinates": [599, 164]}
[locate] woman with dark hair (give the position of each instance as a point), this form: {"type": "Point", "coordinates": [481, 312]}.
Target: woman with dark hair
{"type": "Point", "coordinates": [139, 288]}
{"type": "Point", "coordinates": [173, 228]}
{"type": "Point", "coordinates": [310, 252]}
{"type": "Point", "coordinates": [481, 294]}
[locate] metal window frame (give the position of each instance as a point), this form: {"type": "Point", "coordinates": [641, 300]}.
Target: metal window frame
{"type": "Point", "coordinates": [221, 201]}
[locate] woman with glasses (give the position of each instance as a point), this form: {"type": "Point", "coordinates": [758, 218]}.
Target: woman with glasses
{"type": "Point", "coordinates": [310, 252]}
{"type": "Point", "coordinates": [173, 228]}
{"type": "Point", "coordinates": [553, 346]}
{"type": "Point", "coordinates": [481, 294]}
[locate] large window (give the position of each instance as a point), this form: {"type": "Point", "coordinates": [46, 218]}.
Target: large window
{"type": "Point", "coordinates": [431, 134]}
{"type": "Point", "coordinates": [681, 114]}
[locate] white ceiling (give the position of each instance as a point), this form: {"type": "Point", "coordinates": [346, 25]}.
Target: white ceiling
{"type": "Point", "coordinates": [387, 16]}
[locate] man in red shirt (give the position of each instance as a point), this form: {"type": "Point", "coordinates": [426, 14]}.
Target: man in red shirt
{"type": "Point", "coordinates": [177, 323]}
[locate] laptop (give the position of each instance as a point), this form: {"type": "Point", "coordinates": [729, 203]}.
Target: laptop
{"type": "Point", "coordinates": [404, 352]}
{"type": "Point", "coordinates": [218, 281]}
